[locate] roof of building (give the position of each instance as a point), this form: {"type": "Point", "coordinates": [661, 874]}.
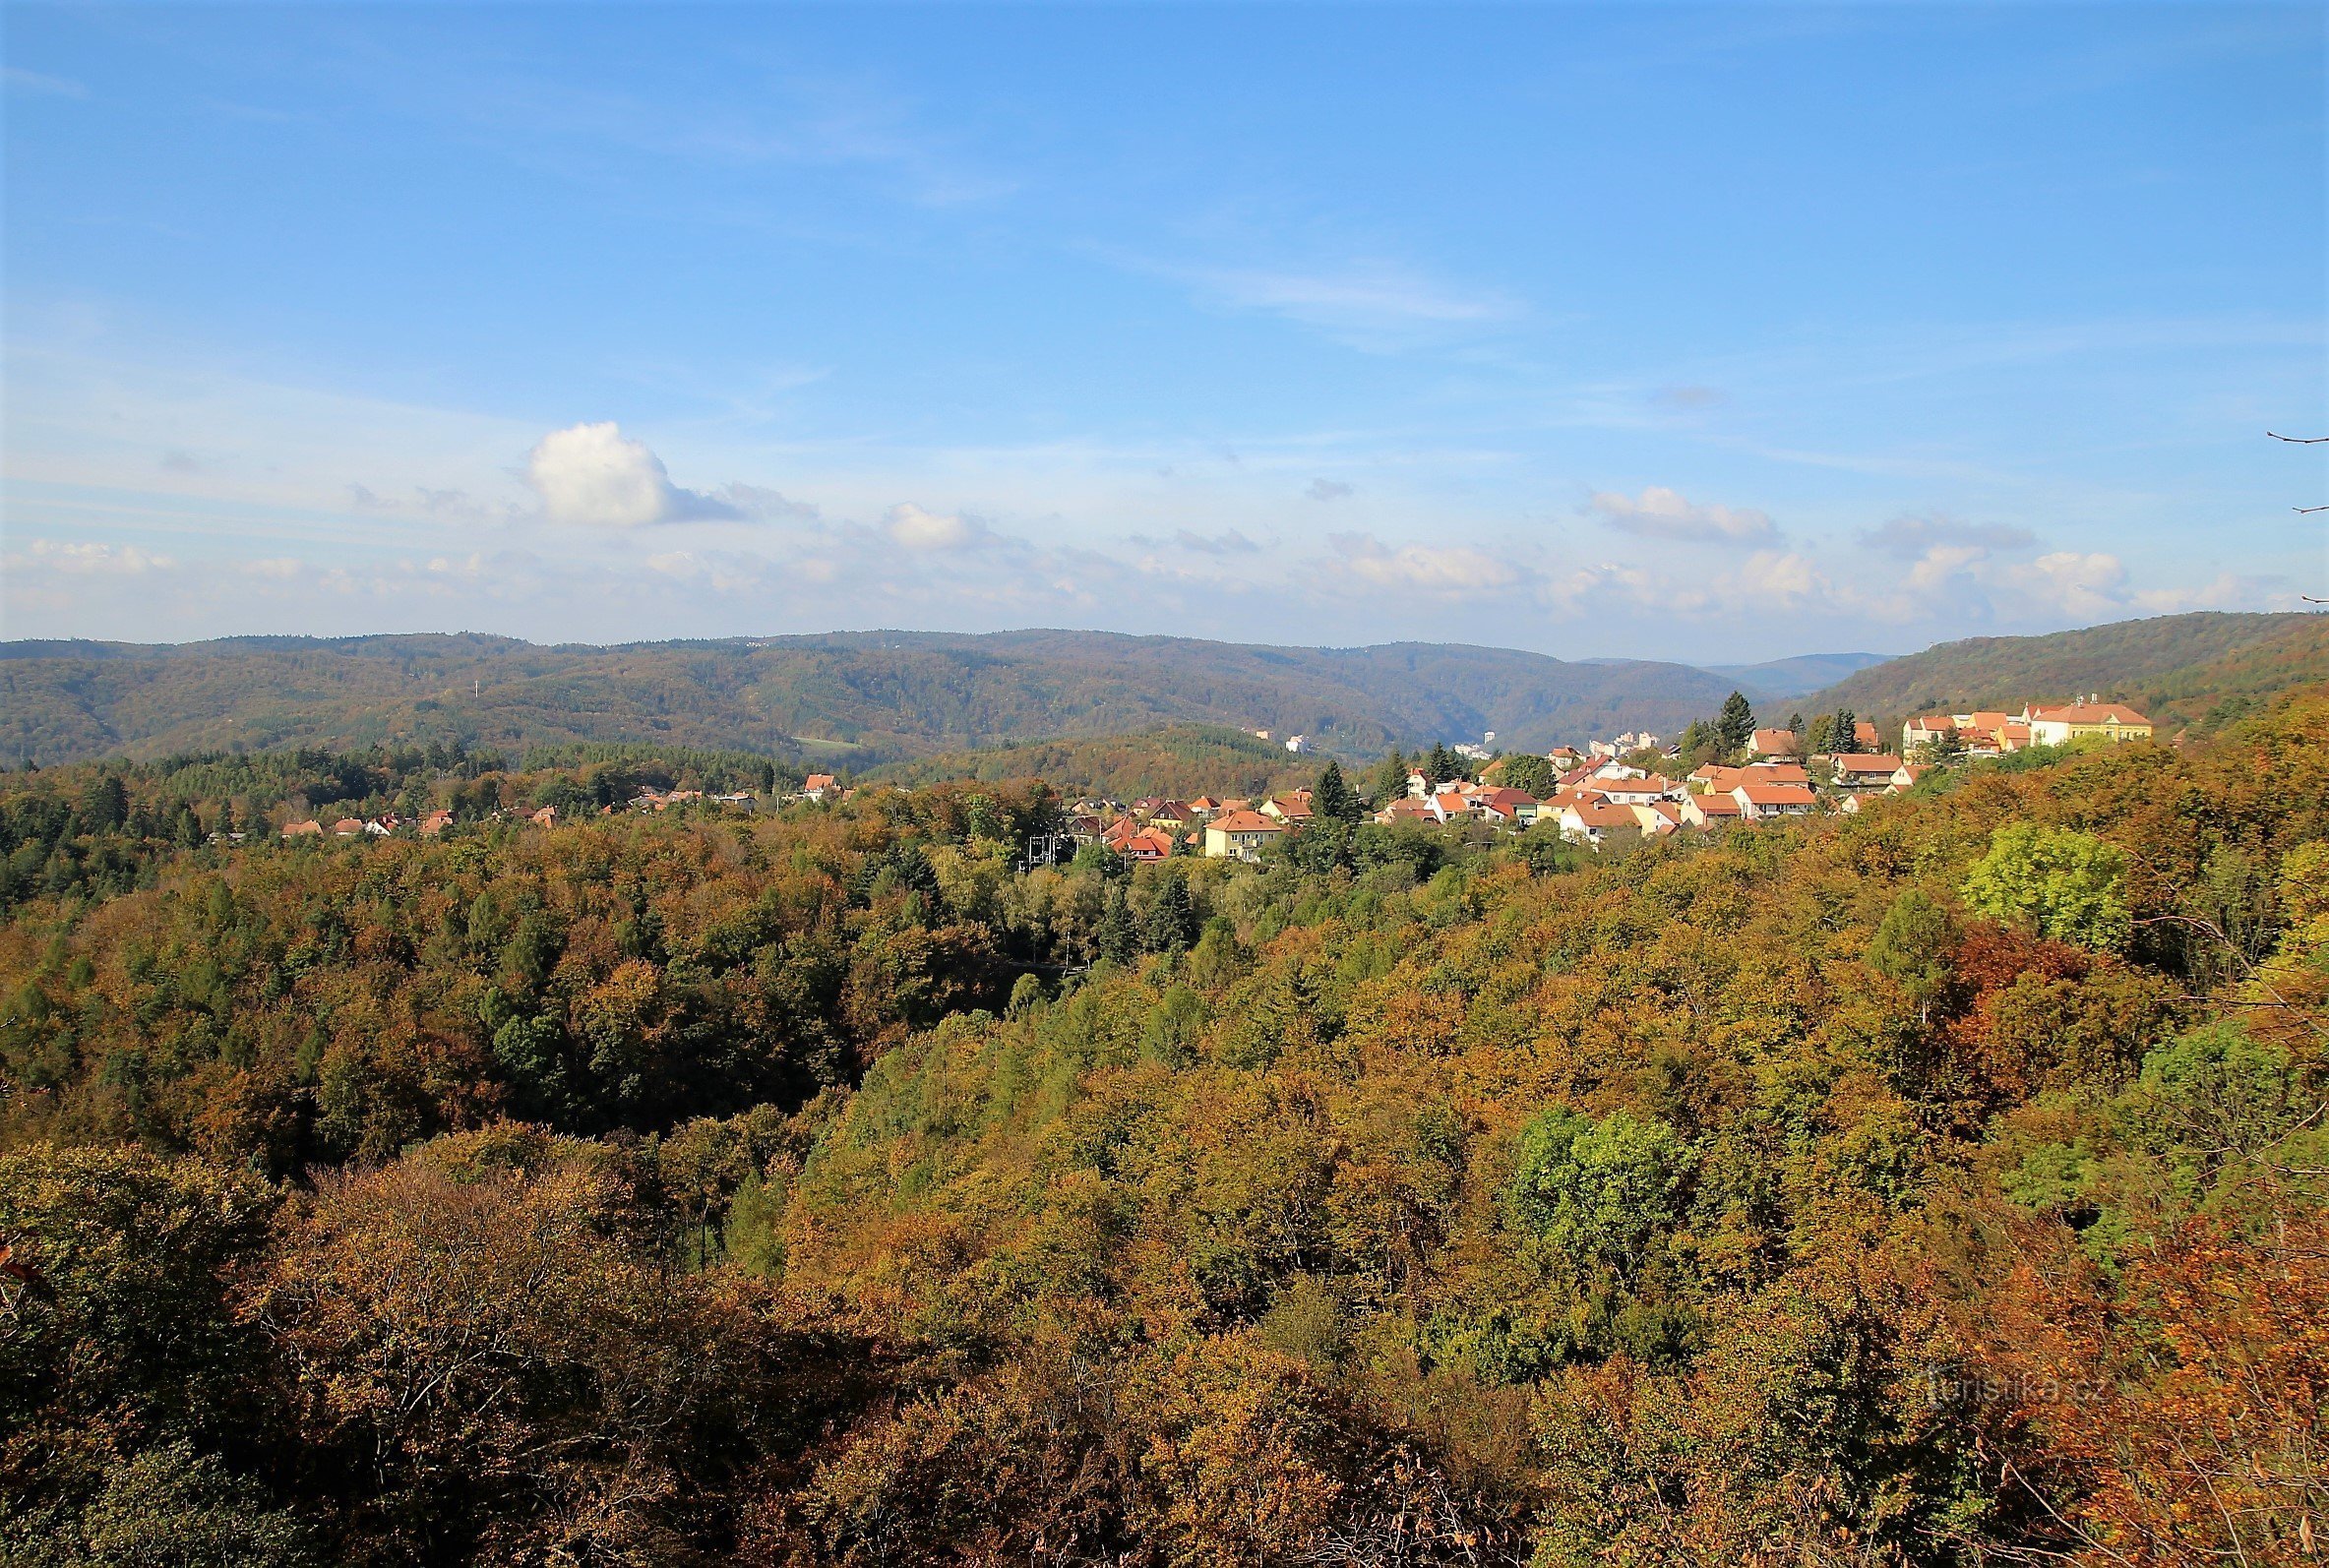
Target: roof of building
{"type": "Point", "coordinates": [1776, 795]}
{"type": "Point", "coordinates": [1866, 762]}
{"type": "Point", "coordinates": [1246, 822]}
{"type": "Point", "coordinates": [2090, 713]}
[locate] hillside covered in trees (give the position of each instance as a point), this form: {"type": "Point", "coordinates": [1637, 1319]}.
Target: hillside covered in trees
{"type": "Point", "coordinates": [860, 697]}
{"type": "Point", "coordinates": [1182, 760]}
{"type": "Point", "coordinates": [1940, 1184]}
{"type": "Point", "coordinates": [2179, 668]}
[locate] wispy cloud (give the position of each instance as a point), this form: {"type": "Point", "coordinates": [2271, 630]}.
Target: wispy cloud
{"type": "Point", "coordinates": [1458, 571]}
{"type": "Point", "coordinates": [1908, 537]}
{"type": "Point", "coordinates": [16, 79]}
{"type": "Point", "coordinates": [1662, 513]}
{"type": "Point", "coordinates": [1375, 306]}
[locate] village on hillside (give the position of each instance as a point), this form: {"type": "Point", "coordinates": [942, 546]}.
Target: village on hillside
{"type": "Point", "coordinates": [1628, 787]}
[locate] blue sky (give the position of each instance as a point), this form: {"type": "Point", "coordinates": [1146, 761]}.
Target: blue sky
{"type": "Point", "coordinates": [1705, 334]}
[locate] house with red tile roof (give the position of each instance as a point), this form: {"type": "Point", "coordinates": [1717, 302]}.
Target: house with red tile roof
{"type": "Point", "coordinates": [1862, 770]}
{"type": "Point", "coordinates": [1657, 817]}
{"type": "Point", "coordinates": [1708, 810]}
{"type": "Point", "coordinates": [1148, 844]}
{"type": "Point", "coordinates": [1240, 835]}
{"type": "Point", "coordinates": [2073, 721]}
{"type": "Point", "coordinates": [1507, 805]}
{"type": "Point", "coordinates": [1758, 800]}
{"type": "Point", "coordinates": [1592, 821]}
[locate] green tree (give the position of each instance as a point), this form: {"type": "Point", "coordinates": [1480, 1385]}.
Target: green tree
{"type": "Point", "coordinates": [173, 1507]}
{"type": "Point", "coordinates": [1911, 948]}
{"type": "Point", "coordinates": [1171, 921]}
{"type": "Point", "coordinates": [1594, 1192]}
{"type": "Point", "coordinates": [1333, 798]}
{"type": "Point", "coordinates": [2067, 885]}
{"type": "Point", "coordinates": [104, 804]}
{"type": "Point", "coordinates": [1736, 727]}
{"type": "Point", "coordinates": [1115, 940]}
{"type": "Point", "coordinates": [1389, 781]}
{"type": "Point", "coordinates": [1530, 773]}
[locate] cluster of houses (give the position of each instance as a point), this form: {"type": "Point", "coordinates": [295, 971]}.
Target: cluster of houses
{"type": "Point", "coordinates": [385, 825]}
{"type": "Point", "coordinates": [1153, 829]}
{"type": "Point", "coordinates": [1606, 795]}
{"type": "Point", "coordinates": [1994, 734]}
{"type": "Point", "coordinates": [388, 824]}
{"type": "Point", "coordinates": [1601, 791]}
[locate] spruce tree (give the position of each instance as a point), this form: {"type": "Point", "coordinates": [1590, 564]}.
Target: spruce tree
{"type": "Point", "coordinates": [1736, 727]}
{"type": "Point", "coordinates": [1331, 797]}
{"type": "Point", "coordinates": [1171, 922]}
{"type": "Point", "coordinates": [1389, 781]}
{"type": "Point", "coordinates": [1114, 940]}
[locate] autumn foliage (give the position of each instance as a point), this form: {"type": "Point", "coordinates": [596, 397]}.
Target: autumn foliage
{"type": "Point", "coordinates": [1942, 1183]}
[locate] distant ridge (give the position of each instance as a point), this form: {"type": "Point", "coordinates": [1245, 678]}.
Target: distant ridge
{"type": "Point", "coordinates": [1806, 672]}
{"type": "Point", "coordinates": [870, 695]}
{"type": "Point", "coordinates": [2177, 668]}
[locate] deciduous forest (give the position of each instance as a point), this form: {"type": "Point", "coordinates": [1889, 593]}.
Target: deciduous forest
{"type": "Point", "coordinates": [1939, 1183]}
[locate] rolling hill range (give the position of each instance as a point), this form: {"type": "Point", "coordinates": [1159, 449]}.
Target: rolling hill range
{"type": "Point", "coordinates": [864, 698]}
{"type": "Point", "coordinates": [1179, 761]}
{"type": "Point", "coordinates": [2176, 668]}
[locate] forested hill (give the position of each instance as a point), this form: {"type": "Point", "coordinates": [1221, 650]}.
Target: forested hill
{"type": "Point", "coordinates": [862, 696]}
{"type": "Point", "coordinates": [1181, 760]}
{"type": "Point", "coordinates": [2177, 668]}
{"type": "Point", "coordinates": [1942, 1183]}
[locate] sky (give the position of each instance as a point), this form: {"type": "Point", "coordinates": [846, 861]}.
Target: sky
{"type": "Point", "coordinates": [1714, 334]}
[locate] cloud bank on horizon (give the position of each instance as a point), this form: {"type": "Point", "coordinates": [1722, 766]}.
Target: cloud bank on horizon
{"type": "Point", "coordinates": [869, 331]}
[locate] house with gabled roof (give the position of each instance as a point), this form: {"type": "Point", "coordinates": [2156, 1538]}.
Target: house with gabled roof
{"type": "Point", "coordinates": [2073, 721]}
{"type": "Point", "coordinates": [1592, 821]}
{"type": "Point", "coordinates": [1240, 835]}
{"type": "Point", "coordinates": [1148, 844]}
{"type": "Point", "coordinates": [1708, 810]}
{"type": "Point", "coordinates": [1758, 800]}
{"type": "Point", "coordinates": [1862, 770]}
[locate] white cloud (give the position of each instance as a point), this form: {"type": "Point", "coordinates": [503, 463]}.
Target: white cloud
{"type": "Point", "coordinates": [1327, 490]}
{"type": "Point", "coordinates": [918, 528]}
{"type": "Point", "coordinates": [2080, 584]}
{"type": "Point", "coordinates": [594, 476]}
{"type": "Point", "coordinates": [1432, 569]}
{"type": "Point", "coordinates": [1944, 562]}
{"type": "Point", "coordinates": [89, 560]}
{"type": "Point", "coordinates": [1662, 513]}
{"type": "Point", "coordinates": [1910, 537]}
{"type": "Point", "coordinates": [763, 505]}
